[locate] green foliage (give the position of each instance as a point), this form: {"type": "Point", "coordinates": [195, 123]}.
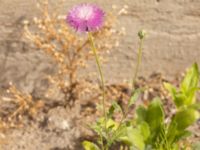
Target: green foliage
{"type": "Point", "coordinates": [150, 120]}
{"type": "Point", "coordinates": [114, 108]}
{"type": "Point", "coordinates": [187, 107]}
{"type": "Point", "coordinates": [133, 138]}
{"type": "Point", "coordinates": [134, 97]}
{"type": "Point", "coordinates": [180, 122]}
{"type": "Point", "coordinates": [190, 83]}
{"type": "Point", "coordinates": [148, 130]}
{"type": "Point", "coordinates": [90, 146]}
{"type": "Point", "coordinates": [114, 131]}
{"type": "Point", "coordinates": [184, 118]}
{"type": "Point", "coordinates": [165, 136]}
{"type": "Point", "coordinates": [155, 115]}
{"type": "Point", "coordinates": [186, 95]}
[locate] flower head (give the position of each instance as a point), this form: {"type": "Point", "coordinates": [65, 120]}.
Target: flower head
{"type": "Point", "coordinates": [85, 17]}
{"type": "Point", "coordinates": [142, 33]}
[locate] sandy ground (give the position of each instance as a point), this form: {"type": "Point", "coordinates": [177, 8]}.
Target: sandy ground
{"type": "Point", "coordinates": [171, 46]}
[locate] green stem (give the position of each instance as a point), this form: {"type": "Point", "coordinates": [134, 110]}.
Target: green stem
{"type": "Point", "coordinates": [101, 140]}
{"type": "Point", "coordinates": [102, 80]}
{"type": "Point", "coordinates": [139, 58]}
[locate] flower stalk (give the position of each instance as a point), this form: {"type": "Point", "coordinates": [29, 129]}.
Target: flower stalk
{"type": "Point", "coordinates": [101, 77]}
{"type": "Point", "coordinates": [141, 35]}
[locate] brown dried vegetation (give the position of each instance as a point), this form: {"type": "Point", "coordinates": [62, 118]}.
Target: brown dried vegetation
{"type": "Point", "coordinates": [69, 51]}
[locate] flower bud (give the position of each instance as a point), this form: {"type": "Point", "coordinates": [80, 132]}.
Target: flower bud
{"type": "Point", "coordinates": [142, 33]}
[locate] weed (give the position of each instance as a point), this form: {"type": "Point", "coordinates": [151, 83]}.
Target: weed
{"type": "Point", "coordinates": [69, 51]}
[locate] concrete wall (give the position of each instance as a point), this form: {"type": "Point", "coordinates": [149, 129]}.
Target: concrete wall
{"type": "Point", "coordinates": [172, 44]}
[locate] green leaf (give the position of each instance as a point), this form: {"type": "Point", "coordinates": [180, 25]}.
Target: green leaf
{"type": "Point", "coordinates": [195, 106]}
{"type": "Point", "coordinates": [134, 97]}
{"type": "Point", "coordinates": [185, 118]}
{"type": "Point", "coordinates": [172, 132]}
{"type": "Point", "coordinates": [186, 96]}
{"type": "Point", "coordinates": [155, 115]}
{"type": "Point", "coordinates": [191, 96]}
{"type": "Point", "coordinates": [180, 99]}
{"type": "Point", "coordinates": [141, 113]}
{"type": "Point", "coordinates": [90, 146]}
{"type": "Point", "coordinates": [171, 89]}
{"type": "Point", "coordinates": [134, 138]}
{"type": "Point", "coordinates": [111, 124]}
{"type": "Point", "coordinates": [191, 79]}
{"type": "Point", "coordinates": [183, 134]}
{"type": "Point", "coordinates": [115, 107]}
{"type": "Point", "coordinates": [121, 132]}
{"type": "Point", "coordinates": [144, 129]}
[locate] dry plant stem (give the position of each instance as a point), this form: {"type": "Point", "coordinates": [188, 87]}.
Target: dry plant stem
{"type": "Point", "coordinates": [139, 58]}
{"type": "Point", "coordinates": [102, 81]}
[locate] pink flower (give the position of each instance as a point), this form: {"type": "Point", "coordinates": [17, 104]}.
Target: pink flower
{"type": "Point", "coordinates": [85, 17]}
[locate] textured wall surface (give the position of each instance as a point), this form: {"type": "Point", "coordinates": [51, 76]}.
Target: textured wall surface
{"type": "Point", "coordinates": [172, 44]}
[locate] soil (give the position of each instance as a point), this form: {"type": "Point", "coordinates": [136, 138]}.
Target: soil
{"type": "Point", "coordinates": [171, 46]}
{"type": "Point", "coordinates": [61, 128]}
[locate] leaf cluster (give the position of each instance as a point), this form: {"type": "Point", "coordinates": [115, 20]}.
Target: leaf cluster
{"type": "Point", "coordinates": [148, 130]}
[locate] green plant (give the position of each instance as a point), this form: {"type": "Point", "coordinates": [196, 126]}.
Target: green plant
{"type": "Point", "coordinates": [110, 131]}
{"type": "Point", "coordinates": [149, 130]}
{"type": "Point", "coordinates": [185, 96]}
{"type": "Point", "coordinates": [115, 129]}
{"type": "Point", "coordinates": [104, 129]}
{"type": "Point", "coordinates": [186, 105]}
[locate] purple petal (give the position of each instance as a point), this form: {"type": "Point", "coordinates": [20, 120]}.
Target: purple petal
{"type": "Point", "coordinates": [85, 17]}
